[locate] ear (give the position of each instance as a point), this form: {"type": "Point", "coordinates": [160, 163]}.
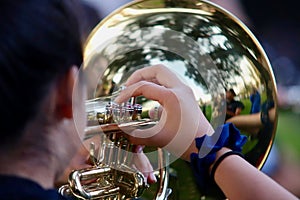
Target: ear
{"type": "Point", "coordinates": [64, 93]}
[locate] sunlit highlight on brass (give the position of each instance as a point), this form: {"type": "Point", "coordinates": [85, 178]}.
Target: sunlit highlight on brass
{"type": "Point", "coordinates": [210, 48]}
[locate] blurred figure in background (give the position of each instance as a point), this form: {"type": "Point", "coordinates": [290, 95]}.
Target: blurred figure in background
{"type": "Point", "coordinates": [255, 101]}
{"type": "Point", "coordinates": [233, 107]}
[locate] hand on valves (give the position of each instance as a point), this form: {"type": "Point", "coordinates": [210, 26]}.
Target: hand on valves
{"type": "Point", "coordinates": [182, 122]}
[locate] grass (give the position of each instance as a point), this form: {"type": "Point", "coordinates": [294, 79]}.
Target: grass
{"type": "Point", "coordinates": [288, 133]}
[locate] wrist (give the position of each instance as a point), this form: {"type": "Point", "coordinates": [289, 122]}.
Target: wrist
{"type": "Point", "coordinates": [219, 153]}
{"type": "Point", "coordinates": [222, 156]}
{"type": "Point", "coordinates": [230, 141]}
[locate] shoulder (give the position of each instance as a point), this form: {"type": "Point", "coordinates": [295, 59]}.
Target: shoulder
{"type": "Point", "coordinates": [238, 104]}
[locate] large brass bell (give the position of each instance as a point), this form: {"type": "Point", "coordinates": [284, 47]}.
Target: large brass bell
{"type": "Point", "coordinates": [207, 46]}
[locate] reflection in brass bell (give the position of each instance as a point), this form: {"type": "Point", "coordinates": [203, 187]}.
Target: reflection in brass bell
{"type": "Point", "coordinates": [208, 47]}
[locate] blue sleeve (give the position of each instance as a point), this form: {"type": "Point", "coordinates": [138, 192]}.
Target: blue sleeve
{"type": "Point", "coordinates": [229, 136]}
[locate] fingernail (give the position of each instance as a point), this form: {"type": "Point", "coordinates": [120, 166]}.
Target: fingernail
{"type": "Point", "coordinates": [152, 178]}
{"type": "Point", "coordinates": [138, 149]}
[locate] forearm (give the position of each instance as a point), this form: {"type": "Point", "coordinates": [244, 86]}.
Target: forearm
{"type": "Point", "coordinates": [246, 122]}
{"type": "Point", "coordinates": [240, 180]}
{"type": "Point", "coordinates": [204, 128]}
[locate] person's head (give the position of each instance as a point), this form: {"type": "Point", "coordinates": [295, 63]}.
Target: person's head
{"type": "Point", "coordinates": [230, 94]}
{"type": "Point", "coordinates": [40, 51]}
{"type": "Point", "coordinates": [254, 90]}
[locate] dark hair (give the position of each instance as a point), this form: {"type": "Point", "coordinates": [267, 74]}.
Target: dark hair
{"type": "Point", "coordinates": [231, 91]}
{"type": "Point", "coordinates": [39, 40]}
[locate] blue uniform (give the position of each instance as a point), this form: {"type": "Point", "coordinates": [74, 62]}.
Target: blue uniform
{"type": "Point", "coordinates": [16, 188]}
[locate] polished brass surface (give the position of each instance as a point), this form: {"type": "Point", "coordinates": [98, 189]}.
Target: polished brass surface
{"type": "Point", "coordinates": [207, 46]}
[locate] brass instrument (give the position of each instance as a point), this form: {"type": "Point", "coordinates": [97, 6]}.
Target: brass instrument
{"type": "Point", "coordinates": [203, 43]}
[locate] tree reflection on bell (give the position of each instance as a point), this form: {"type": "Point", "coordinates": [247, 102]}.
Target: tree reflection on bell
{"type": "Point", "coordinates": [207, 47]}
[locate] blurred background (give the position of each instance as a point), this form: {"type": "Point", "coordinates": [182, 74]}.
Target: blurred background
{"type": "Point", "coordinates": [276, 26]}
